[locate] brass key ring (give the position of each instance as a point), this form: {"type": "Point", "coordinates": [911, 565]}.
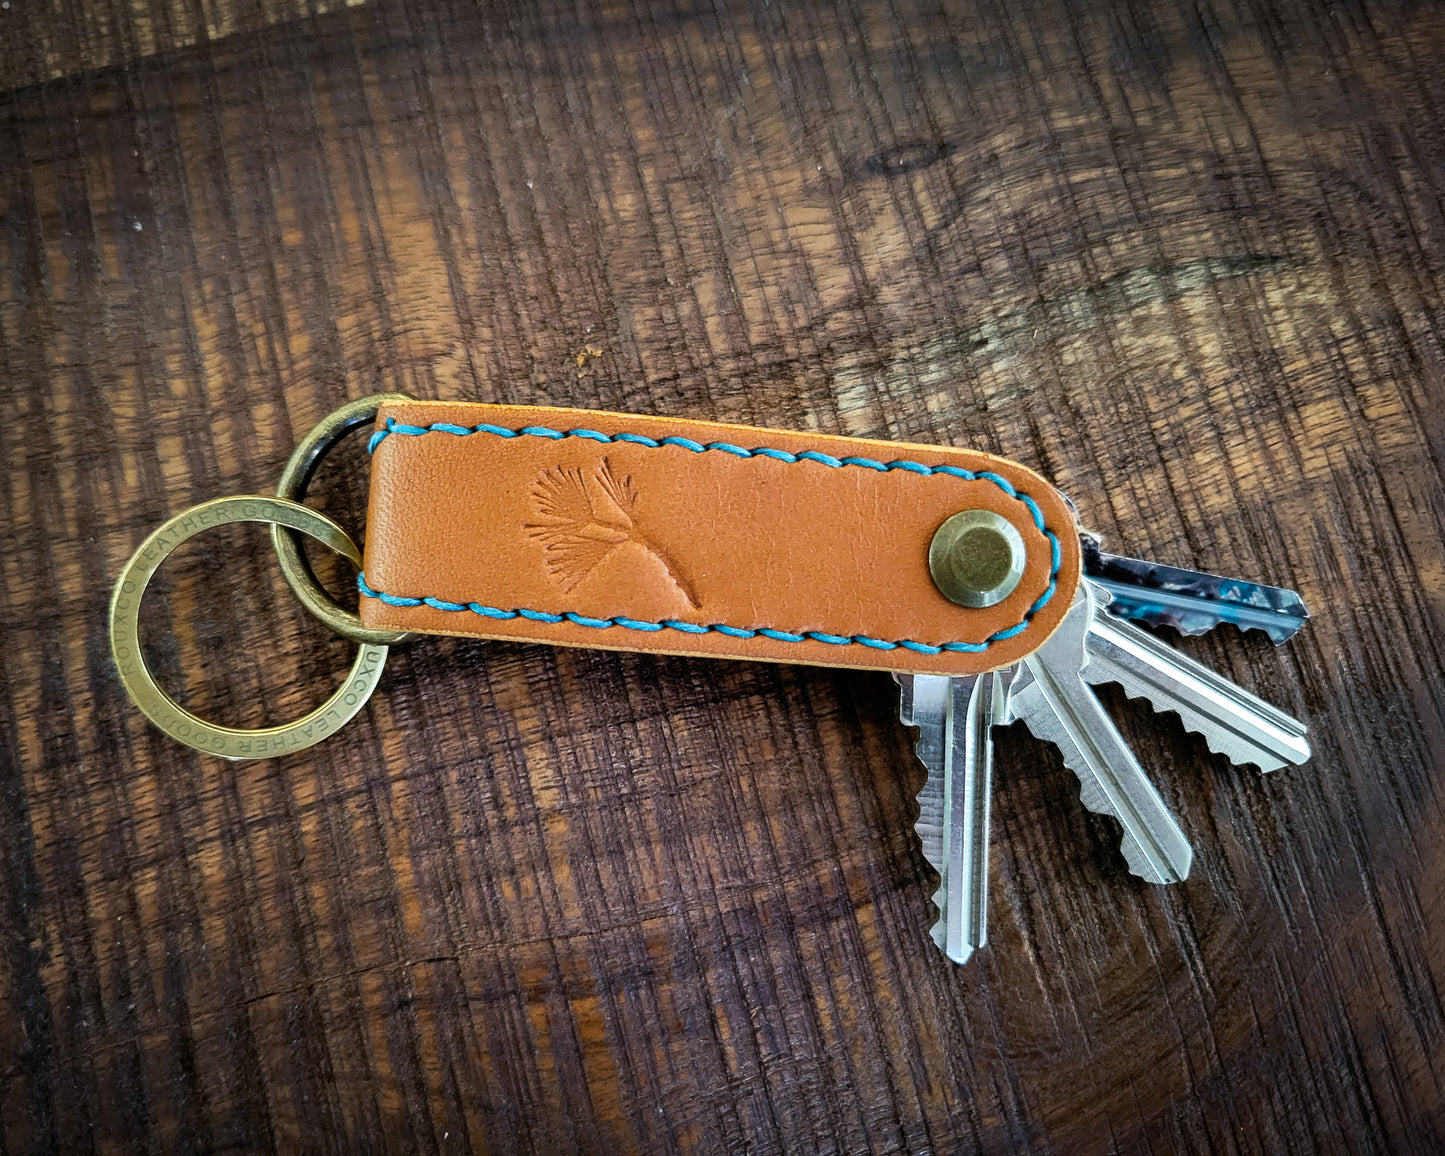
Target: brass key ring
{"type": "Point", "coordinates": [170, 716]}
{"type": "Point", "coordinates": [292, 486]}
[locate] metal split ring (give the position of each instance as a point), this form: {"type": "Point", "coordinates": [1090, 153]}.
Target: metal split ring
{"type": "Point", "coordinates": [169, 715]}
{"type": "Point", "coordinates": [292, 486]}
{"type": "Point", "coordinates": [288, 520]}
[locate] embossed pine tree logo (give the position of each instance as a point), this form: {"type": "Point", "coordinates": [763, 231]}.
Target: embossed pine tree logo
{"type": "Point", "coordinates": [584, 516]}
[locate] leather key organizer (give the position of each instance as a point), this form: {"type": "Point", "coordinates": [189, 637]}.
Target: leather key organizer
{"type": "Point", "coordinates": [579, 528]}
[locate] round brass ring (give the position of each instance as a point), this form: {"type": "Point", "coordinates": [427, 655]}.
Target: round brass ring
{"type": "Point", "coordinates": [169, 715]}
{"type": "Point", "coordinates": [292, 487]}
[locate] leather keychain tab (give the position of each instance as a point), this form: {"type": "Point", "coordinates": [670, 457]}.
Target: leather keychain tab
{"type": "Point", "coordinates": [580, 528]}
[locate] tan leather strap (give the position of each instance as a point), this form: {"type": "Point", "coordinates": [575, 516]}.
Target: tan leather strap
{"type": "Point", "coordinates": [580, 528]}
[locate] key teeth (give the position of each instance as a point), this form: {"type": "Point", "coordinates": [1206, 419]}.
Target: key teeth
{"type": "Point", "coordinates": [938, 929]}
{"type": "Point", "coordinates": [1195, 631]}
{"type": "Point", "coordinates": [1139, 862]}
{"type": "Point", "coordinates": [1141, 665]}
{"type": "Point", "coordinates": [1278, 635]}
{"type": "Point", "coordinates": [922, 707]}
{"type": "Point", "coordinates": [1237, 759]}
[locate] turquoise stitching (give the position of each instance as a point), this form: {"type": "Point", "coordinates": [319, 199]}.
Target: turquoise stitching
{"type": "Point", "coordinates": [918, 468]}
{"type": "Point", "coordinates": [697, 628]}
{"type": "Point", "coordinates": [537, 431]}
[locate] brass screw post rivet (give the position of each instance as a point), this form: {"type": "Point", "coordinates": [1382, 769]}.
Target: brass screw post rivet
{"type": "Point", "coordinates": [976, 558]}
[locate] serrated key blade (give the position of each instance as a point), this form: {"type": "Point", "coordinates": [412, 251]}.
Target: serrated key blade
{"type": "Point", "coordinates": [1233, 722]}
{"type": "Point", "coordinates": [970, 782]}
{"type": "Point", "coordinates": [1052, 699]}
{"type": "Point", "coordinates": [954, 718]}
{"type": "Point", "coordinates": [1192, 601]}
{"type": "Point", "coordinates": [923, 703]}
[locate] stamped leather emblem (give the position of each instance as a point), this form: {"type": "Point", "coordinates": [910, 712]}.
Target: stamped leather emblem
{"type": "Point", "coordinates": [588, 519]}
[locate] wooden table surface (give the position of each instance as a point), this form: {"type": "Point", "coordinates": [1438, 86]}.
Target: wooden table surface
{"type": "Point", "coordinates": [1185, 260]}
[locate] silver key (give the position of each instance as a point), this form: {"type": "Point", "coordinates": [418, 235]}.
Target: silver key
{"type": "Point", "coordinates": [1191, 601]}
{"type": "Point", "coordinates": [955, 717]}
{"type": "Point", "coordinates": [1050, 696]}
{"type": "Point", "coordinates": [1235, 724]}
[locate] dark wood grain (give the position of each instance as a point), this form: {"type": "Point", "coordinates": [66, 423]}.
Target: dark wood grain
{"type": "Point", "coordinates": [1185, 260]}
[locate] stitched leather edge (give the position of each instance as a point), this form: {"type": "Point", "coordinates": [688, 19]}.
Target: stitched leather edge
{"type": "Point", "coordinates": [917, 469]}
